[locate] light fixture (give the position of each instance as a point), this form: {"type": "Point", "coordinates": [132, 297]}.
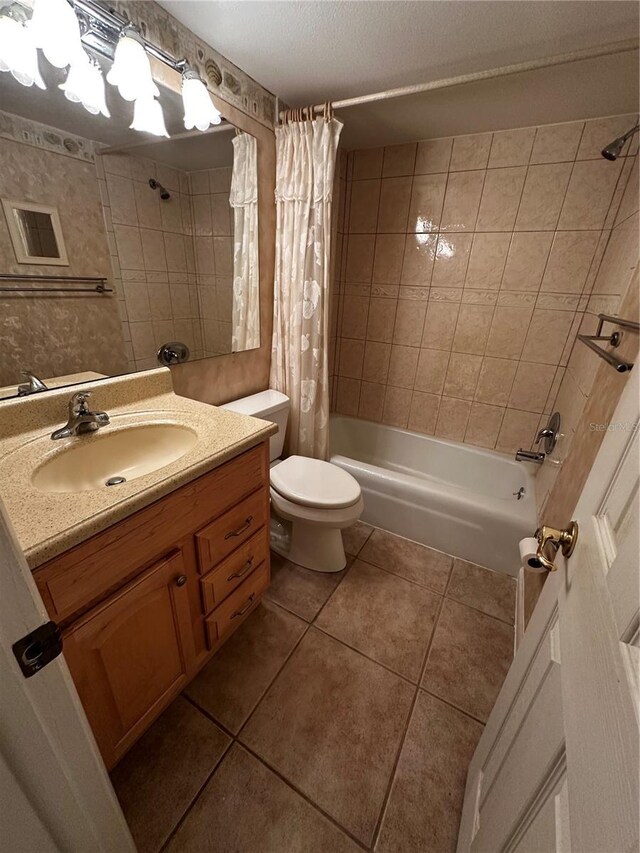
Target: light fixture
{"type": "Point", "coordinates": [199, 110]}
{"type": "Point", "coordinates": [18, 54]}
{"type": "Point", "coordinates": [55, 29]}
{"type": "Point", "coordinates": [131, 70]}
{"type": "Point", "coordinates": [85, 85]}
{"type": "Point", "coordinates": [148, 116]}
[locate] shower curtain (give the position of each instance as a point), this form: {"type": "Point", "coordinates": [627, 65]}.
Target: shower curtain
{"type": "Point", "coordinates": [305, 164]}
{"type": "Point", "coordinates": [243, 198]}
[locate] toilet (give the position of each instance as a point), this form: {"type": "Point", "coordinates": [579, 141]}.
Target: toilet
{"type": "Point", "coordinates": [311, 500]}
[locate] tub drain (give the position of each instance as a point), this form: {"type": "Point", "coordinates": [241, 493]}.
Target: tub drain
{"type": "Point", "coordinates": [115, 481]}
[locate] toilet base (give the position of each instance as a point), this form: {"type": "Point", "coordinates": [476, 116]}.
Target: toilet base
{"type": "Point", "coordinates": [318, 549]}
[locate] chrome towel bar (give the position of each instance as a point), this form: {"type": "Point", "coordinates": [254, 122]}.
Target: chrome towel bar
{"type": "Point", "coordinates": [613, 340]}
{"type": "Point", "coordinates": [99, 283]}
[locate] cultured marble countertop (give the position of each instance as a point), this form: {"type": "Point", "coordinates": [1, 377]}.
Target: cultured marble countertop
{"type": "Point", "coordinates": [47, 524]}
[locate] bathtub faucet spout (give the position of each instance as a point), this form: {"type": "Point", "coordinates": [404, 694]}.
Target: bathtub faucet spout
{"type": "Point", "coordinates": [530, 456]}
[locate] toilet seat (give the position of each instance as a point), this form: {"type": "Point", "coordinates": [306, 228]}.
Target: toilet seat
{"type": "Point", "coordinates": [314, 483]}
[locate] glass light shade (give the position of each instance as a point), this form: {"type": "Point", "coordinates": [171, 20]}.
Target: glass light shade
{"type": "Point", "coordinates": [85, 85]}
{"type": "Point", "coordinates": [148, 117]}
{"type": "Point", "coordinates": [56, 31]}
{"type": "Point", "coordinates": [18, 54]}
{"type": "Point", "coordinates": [199, 110]}
{"type": "Point", "coordinates": [131, 70]}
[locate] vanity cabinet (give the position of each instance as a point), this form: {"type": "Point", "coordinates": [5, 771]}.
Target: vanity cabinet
{"type": "Point", "coordinates": [144, 604]}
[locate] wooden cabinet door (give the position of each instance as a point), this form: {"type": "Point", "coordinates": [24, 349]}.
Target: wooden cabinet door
{"type": "Point", "coordinates": [131, 654]}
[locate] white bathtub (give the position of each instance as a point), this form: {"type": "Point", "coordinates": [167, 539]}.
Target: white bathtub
{"type": "Point", "coordinates": [449, 496]}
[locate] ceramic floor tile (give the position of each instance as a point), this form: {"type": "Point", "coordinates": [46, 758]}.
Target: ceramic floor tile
{"type": "Point", "coordinates": [492, 592]}
{"type": "Point", "coordinates": [469, 658]}
{"type": "Point", "coordinates": [301, 591]}
{"type": "Point", "coordinates": [157, 780]}
{"type": "Point", "coordinates": [408, 559]}
{"type": "Point", "coordinates": [230, 686]}
{"type": "Point", "coordinates": [246, 808]}
{"type": "Point", "coordinates": [383, 616]}
{"type": "Point", "coordinates": [355, 536]}
{"type": "Point", "coordinates": [331, 723]}
{"type": "Point", "coordinates": [423, 810]}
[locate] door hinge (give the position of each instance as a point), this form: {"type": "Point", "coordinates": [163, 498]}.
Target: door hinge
{"type": "Point", "coordinates": [35, 650]}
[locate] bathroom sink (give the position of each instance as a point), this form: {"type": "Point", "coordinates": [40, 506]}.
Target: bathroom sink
{"type": "Point", "coordinates": [111, 458]}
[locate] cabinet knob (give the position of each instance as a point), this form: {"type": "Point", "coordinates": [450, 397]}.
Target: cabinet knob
{"type": "Point", "coordinates": [181, 581]}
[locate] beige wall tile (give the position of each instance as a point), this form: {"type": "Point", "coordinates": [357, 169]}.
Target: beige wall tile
{"type": "Point", "coordinates": [547, 336]}
{"type": "Point", "coordinates": [483, 425]}
{"type": "Point", "coordinates": [348, 396]}
{"type": "Point", "coordinates": [452, 259]}
{"type": "Point", "coordinates": [589, 194]}
{"type": "Point", "coordinates": [371, 401]}
{"type": "Point", "coordinates": [174, 247]}
{"type": "Point", "coordinates": [153, 249]}
{"type": "Point", "coordinates": [399, 160]}
{"type": "Point", "coordinates": [531, 386]}
{"type": "Point", "coordinates": [518, 430]}
{"type": "Point", "coordinates": [402, 366]}
{"type": "Point", "coordinates": [376, 362]}
{"type": "Point", "coordinates": [129, 247]}
{"type": "Point", "coordinates": [419, 255]}
{"type": "Point", "coordinates": [147, 206]}
{"type": "Point", "coordinates": [495, 380]}
{"type": "Point", "coordinates": [500, 199]}
{"type": "Point", "coordinates": [470, 152]}
{"type": "Point", "coordinates": [365, 197]}
{"type": "Point", "coordinates": [354, 317]}
{"type": "Point", "coordinates": [387, 263]}
{"type": "Point", "coordinates": [433, 155]}
{"type": "Point", "coordinates": [397, 402]}
{"type": "Point", "coordinates": [395, 196]}
{"type": "Point", "coordinates": [511, 147]}
{"type": "Point", "coordinates": [351, 358]}
{"type": "Point", "coordinates": [557, 143]}
{"type": "Point", "coordinates": [122, 200]}
{"type": "Point", "coordinates": [410, 317]}
{"type": "Point", "coordinates": [598, 132]}
{"type": "Point", "coordinates": [542, 197]}
{"type": "Point", "coordinates": [427, 198]}
{"type": "Point", "coordinates": [508, 331]}
{"type": "Point", "coordinates": [527, 260]}
{"type": "Point", "coordinates": [221, 215]}
{"type": "Point", "coordinates": [462, 375]}
{"type": "Point", "coordinates": [569, 261]}
{"type": "Point", "coordinates": [440, 324]}
{"type": "Point", "coordinates": [630, 200]}
{"type": "Point", "coordinates": [431, 370]}
{"type": "Point", "coordinates": [201, 212]}
{"type": "Point", "coordinates": [382, 319]}
{"type": "Point", "coordinates": [367, 163]}
{"type": "Point", "coordinates": [360, 257]}
{"type": "Point", "coordinates": [487, 260]}
{"type": "Point", "coordinates": [620, 258]}
{"type": "Point", "coordinates": [423, 413]}
{"type": "Point", "coordinates": [462, 200]}
{"type": "Point", "coordinates": [452, 418]}
{"type": "Point", "coordinates": [472, 329]}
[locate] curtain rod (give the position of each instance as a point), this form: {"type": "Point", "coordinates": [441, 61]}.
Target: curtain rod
{"type": "Point", "coordinates": [502, 71]}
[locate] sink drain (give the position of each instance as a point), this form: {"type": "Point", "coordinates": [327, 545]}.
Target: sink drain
{"type": "Point", "coordinates": [115, 481]}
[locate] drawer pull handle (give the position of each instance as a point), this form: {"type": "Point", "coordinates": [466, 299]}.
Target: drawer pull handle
{"type": "Point", "coordinates": [242, 571]}
{"type": "Point", "coordinates": [181, 581]}
{"type": "Point", "coordinates": [247, 524]}
{"type": "Point", "coordinates": [245, 608]}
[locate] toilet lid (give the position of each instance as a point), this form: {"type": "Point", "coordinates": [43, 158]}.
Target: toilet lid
{"type": "Point", "coordinates": [312, 482]}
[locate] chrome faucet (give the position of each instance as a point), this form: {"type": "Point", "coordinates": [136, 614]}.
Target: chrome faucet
{"type": "Point", "coordinates": [548, 436]}
{"type": "Point", "coordinates": [530, 456]}
{"type": "Point", "coordinates": [81, 420]}
{"type": "Point", "coordinates": [32, 386]}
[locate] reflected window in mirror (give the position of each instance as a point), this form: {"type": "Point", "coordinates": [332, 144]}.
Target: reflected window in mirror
{"type": "Point", "coordinates": [36, 233]}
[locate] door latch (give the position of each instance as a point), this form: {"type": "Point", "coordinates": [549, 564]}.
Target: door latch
{"type": "Point", "coordinates": [35, 650]}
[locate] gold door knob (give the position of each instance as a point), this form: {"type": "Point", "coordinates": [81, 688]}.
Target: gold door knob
{"type": "Point", "coordinates": [565, 540]}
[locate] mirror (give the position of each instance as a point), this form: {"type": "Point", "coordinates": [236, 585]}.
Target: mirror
{"type": "Point", "coordinates": [35, 233]}
{"type": "Point", "coordinates": [158, 239]}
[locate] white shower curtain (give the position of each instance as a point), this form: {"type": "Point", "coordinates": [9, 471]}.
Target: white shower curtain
{"type": "Point", "coordinates": [305, 164]}
{"type": "Point", "coordinates": [243, 198]}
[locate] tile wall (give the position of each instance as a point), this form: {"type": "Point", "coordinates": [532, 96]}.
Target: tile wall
{"type": "Point", "coordinates": [171, 259]}
{"type": "Point", "coordinates": [466, 267]}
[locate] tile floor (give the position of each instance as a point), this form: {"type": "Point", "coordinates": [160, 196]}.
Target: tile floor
{"type": "Point", "coordinates": [340, 717]}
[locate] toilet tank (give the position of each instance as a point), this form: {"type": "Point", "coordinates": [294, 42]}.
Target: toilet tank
{"type": "Point", "coordinates": [270, 406]}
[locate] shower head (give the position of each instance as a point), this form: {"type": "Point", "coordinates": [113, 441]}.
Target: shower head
{"type": "Point", "coordinates": [165, 195]}
{"type": "Point", "coordinates": [613, 149]}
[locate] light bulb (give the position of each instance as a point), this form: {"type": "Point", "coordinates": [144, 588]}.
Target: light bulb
{"type": "Point", "coordinates": [199, 110]}
{"type": "Point", "coordinates": [18, 54]}
{"type": "Point", "coordinates": [56, 31]}
{"type": "Point", "coordinates": [131, 70]}
{"type": "Point", "coordinates": [85, 85]}
{"type": "Point", "coordinates": [148, 117]}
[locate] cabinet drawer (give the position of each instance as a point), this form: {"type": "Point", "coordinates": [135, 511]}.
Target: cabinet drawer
{"type": "Point", "coordinates": [218, 539]}
{"type": "Point", "coordinates": [227, 616]}
{"type": "Point", "coordinates": [217, 584]}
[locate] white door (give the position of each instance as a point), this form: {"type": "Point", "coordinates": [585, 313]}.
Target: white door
{"type": "Point", "coordinates": [557, 766]}
{"type": "Point", "coordinates": [55, 793]}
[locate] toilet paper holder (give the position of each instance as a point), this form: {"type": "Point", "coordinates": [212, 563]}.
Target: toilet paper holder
{"type": "Point", "coordinates": [565, 540]}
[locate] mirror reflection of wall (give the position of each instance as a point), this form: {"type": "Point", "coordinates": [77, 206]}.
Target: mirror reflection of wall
{"type": "Point", "coordinates": [171, 227]}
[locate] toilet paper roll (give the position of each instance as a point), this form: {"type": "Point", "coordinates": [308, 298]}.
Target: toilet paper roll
{"type": "Point", "coordinates": [528, 555]}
